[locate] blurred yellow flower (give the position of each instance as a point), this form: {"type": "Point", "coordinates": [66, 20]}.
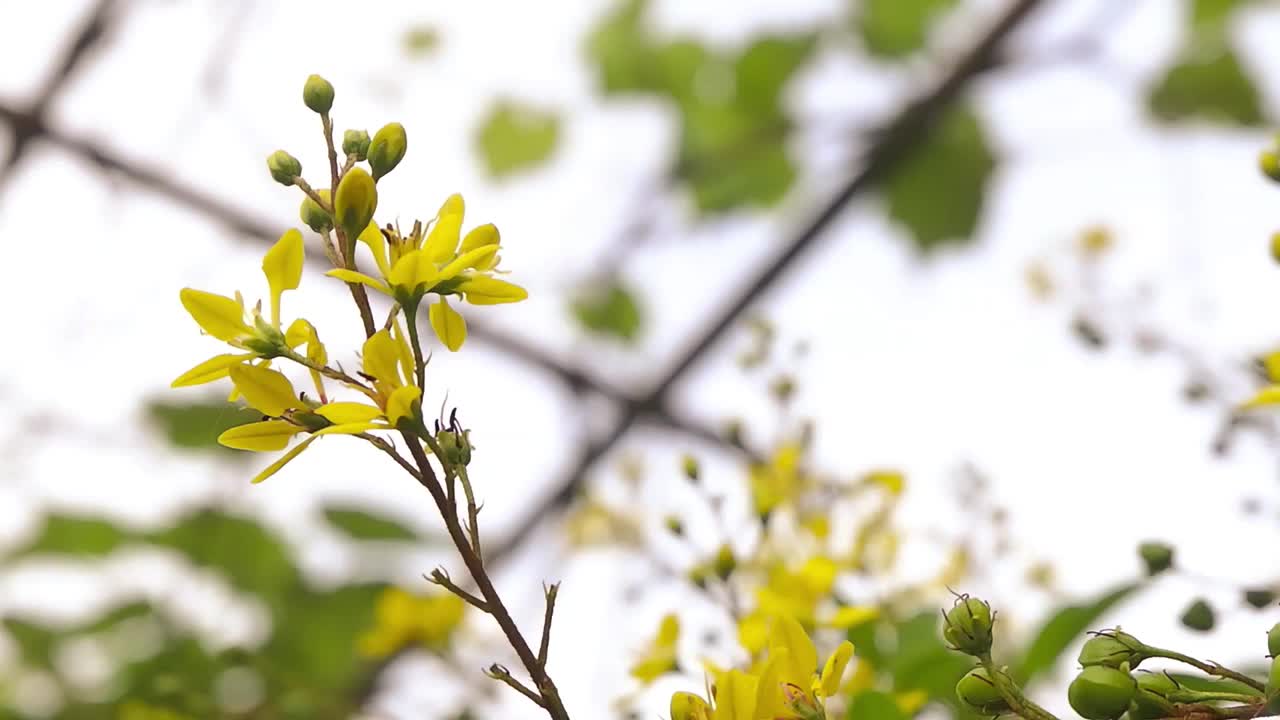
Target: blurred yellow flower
{"type": "Point", "coordinates": [402, 620]}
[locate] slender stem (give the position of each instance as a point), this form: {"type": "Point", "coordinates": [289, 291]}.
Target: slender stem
{"type": "Point", "coordinates": [327, 123]}
{"type": "Point", "coordinates": [441, 578]}
{"type": "Point", "coordinates": [1211, 668]}
{"type": "Point", "coordinates": [1020, 704]}
{"type": "Point", "coordinates": [550, 591]}
{"type": "Point", "coordinates": [419, 364]}
{"type": "Point", "coordinates": [498, 672]}
{"type": "Point", "coordinates": [315, 196]}
{"type": "Point", "coordinates": [332, 374]}
{"type": "Point", "coordinates": [473, 512]}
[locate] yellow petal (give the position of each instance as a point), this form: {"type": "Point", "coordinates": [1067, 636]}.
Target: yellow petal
{"type": "Point", "coordinates": [466, 260]}
{"type": "Point", "coordinates": [215, 368]}
{"type": "Point", "coordinates": [448, 323]}
{"type": "Point", "coordinates": [348, 412]}
{"type": "Point", "coordinates": [260, 436]}
{"type": "Point", "coordinates": [372, 237]}
{"type": "Point", "coordinates": [787, 634]}
{"type": "Point", "coordinates": [687, 706]}
{"type": "Point", "coordinates": [274, 467]}
{"type": "Point", "coordinates": [352, 276]}
{"type": "Point", "coordinates": [484, 290]}
{"type": "Point", "coordinates": [736, 697]}
{"type": "Point", "coordinates": [770, 702]}
{"type": "Point", "coordinates": [413, 269]}
{"type": "Point", "coordinates": [218, 315]}
{"type": "Point", "coordinates": [1265, 397]}
{"type": "Point", "coordinates": [486, 234]}
{"type": "Point", "coordinates": [834, 669]}
{"type": "Point", "coordinates": [852, 616]}
{"type": "Point", "coordinates": [911, 701]}
{"type": "Point", "coordinates": [442, 242]}
{"type": "Point", "coordinates": [401, 403]}
{"type": "Point", "coordinates": [283, 267]}
{"type": "Point", "coordinates": [406, 352]}
{"type": "Point", "coordinates": [380, 358]}
{"type": "Point", "coordinates": [265, 390]}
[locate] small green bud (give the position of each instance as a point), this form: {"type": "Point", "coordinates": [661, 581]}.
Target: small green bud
{"type": "Point", "coordinates": [1259, 598]}
{"type": "Point", "coordinates": [1101, 693]}
{"type": "Point", "coordinates": [356, 142]}
{"type": "Point", "coordinates": [967, 626]}
{"type": "Point", "coordinates": [1269, 163]}
{"type": "Point", "coordinates": [691, 468]}
{"type": "Point", "coordinates": [1157, 556]}
{"type": "Point", "coordinates": [725, 562]}
{"type": "Point", "coordinates": [674, 525]}
{"type": "Point", "coordinates": [1198, 616]}
{"type": "Point", "coordinates": [387, 149]}
{"type": "Point", "coordinates": [284, 167]}
{"type": "Point", "coordinates": [1112, 648]}
{"type": "Point", "coordinates": [456, 447]}
{"type": "Point", "coordinates": [699, 575]}
{"type": "Point", "coordinates": [315, 216]}
{"type": "Point", "coordinates": [317, 93]}
{"type": "Point", "coordinates": [1150, 701]}
{"type": "Point", "coordinates": [355, 201]}
{"type": "Point", "coordinates": [1273, 641]}
{"type": "Point", "coordinates": [977, 691]}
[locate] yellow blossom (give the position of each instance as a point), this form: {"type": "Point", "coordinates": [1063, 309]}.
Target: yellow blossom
{"type": "Point", "coordinates": [660, 657]}
{"type": "Point", "coordinates": [402, 619]}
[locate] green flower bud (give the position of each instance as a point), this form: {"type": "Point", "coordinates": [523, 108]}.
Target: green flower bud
{"type": "Point", "coordinates": [387, 149]}
{"type": "Point", "coordinates": [1157, 556]}
{"type": "Point", "coordinates": [284, 167]}
{"type": "Point", "coordinates": [674, 525]}
{"type": "Point", "coordinates": [1111, 648]}
{"type": "Point", "coordinates": [1259, 598]}
{"type": "Point", "coordinates": [356, 142]}
{"type": "Point", "coordinates": [967, 626]}
{"type": "Point", "coordinates": [456, 447]}
{"type": "Point", "coordinates": [1269, 163]}
{"type": "Point", "coordinates": [315, 216]}
{"type": "Point", "coordinates": [1273, 641]}
{"type": "Point", "coordinates": [1101, 693]}
{"type": "Point", "coordinates": [725, 562]}
{"type": "Point", "coordinates": [1198, 616]}
{"type": "Point", "coordinates": [690, 466]}
{"type": "Point", "coordinates": [1150, 700]}
{"type": "Point", "coordinates": [977, 691]}
{"type": "Point", "coordinates": [317, 93]}
{"type": "Point", "coordinates": [699, 575]}
{"type": "Point", "coordinates": [355, 201]}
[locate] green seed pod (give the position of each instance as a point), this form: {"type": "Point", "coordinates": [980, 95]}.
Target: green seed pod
{"type": "Point", "coordinates": [1157, 556]}
{"type": "Point", "coordinates": [725, 562]}
{"type": "Point", "coordinates": [356, 142]}
{"type": "Point", "coordinates": [317, 93]}
{"type": "Point", "coordinates": [315, 216]}
{"type": "Point", "coordinates": [1112, 648]}
{"type": "Point", "coordinates": [1273, 641]}
{"type": "Point", "coordinates": [977, 691]}
{"type": "Point", "coordinates": [1150, 700]}
{"type": "Point", "coordinates": [387, 149]}
{"type": "Point", "coordinates": [1101, 693]}
{"type": "Point", "coordinates": [967, 626]}
{"type": "Point", "coordinates": [284, 167]}
{"type": "Point", "coordinates": [1269, 163]}
{"type": "Point", "coordinates": [355, 201]}
{"type": "Point", "coordinates": [1198, 616]}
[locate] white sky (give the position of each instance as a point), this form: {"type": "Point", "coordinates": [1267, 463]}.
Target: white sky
{"type": "Point", "coordinates": [917, 365]}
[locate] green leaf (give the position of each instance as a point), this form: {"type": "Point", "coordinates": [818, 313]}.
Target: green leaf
{"type": "Point", "coordinates": [35, 642]}
{"type": "Point", "coordinates": [874, 705]}
{"type": "Point", "coordinates": [1208, 13]}
{"type": "Point", "coordinates": [74, 535]}
{"type": "Point", "coordinates": [197, 425]}
{"type": "Point", "coordinates": [923, 662]}
{"type": "Point", "coordinates": [362, 525]}
{"type": "Point", "coordinates": [1063, 628]}
{"type": "Point", "coordinates": [937, 191]}
{"type": "Point", "coordinates": [897, 28]}
{"type": "Point", "coordinates": [1211, 87]}
{"type": "Point", "coordinates": [610, 311]}
{"type": "Point", "coordinates": [317, 637]}
{"type": "Point", "coordinates": [763, 70]}
{"type": "Point", "coordinates": [622, 50]}
{"type": "Point", "coordinates": [421, 41]}
{"type": "Point", "coordinates": [516, 136]}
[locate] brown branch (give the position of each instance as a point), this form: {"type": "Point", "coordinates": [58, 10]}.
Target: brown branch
{"type": "Point", "coordinates": [550, 591]}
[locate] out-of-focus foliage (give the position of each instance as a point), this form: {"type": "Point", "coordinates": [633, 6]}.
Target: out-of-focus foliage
{"type": "Point", "coordinates": [516, 136]}
{"type": "Point", "coordinates": [421, 41]}
{"type": "Point", "coordinates": [359, 524]}
{"type": "Point", "coordinates": [1211, 87]}
{"type": "Point", "coordinates": [196, 425]}
{"type": "Point", "coordinates": [896, 28]}
{"type": "Point", "coordinates": [609, 311]}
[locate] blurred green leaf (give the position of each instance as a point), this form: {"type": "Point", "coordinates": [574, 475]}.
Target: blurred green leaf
{"type": "Point", "coordinates": [897, 28]}
{"type": "Point", "coordinates": [421, 40]}
{"type": "Point", "coordinates": [317, 637]}
{"type": "Point", "coordinates": [763, 70]}
{"type": "Point", "coordinates": [874, 705]}
{"type": "Point", "coordinates": [611, 311]}
{"type": "Point", "coordinates": [197, 425]}
{"type": "Point", "coordinates": [1199, 616]}
{"type": "Point", "coordinates": [1207, 13]}
{"type": "Point", "coordinates": [363, 525]}
{"type": "Point", "coordinates": [923, 662]}
{"type": "Point", "coordinates": [516, 136]}
{"type": "Point", "coordinates": [938, 189]}
{"type": "Point", "coordinates": [1202, 683]}
{"type": "Point", "coordinates": [1211, 87]}
{"type": "Point", "coordinates": [74, 535]}
{"type": "Point", "coordinates": [622, 50]}
{"type": "Point", "coordinates": [1063, 628]}
{"type": "Point", "coordinates": [35, 642]}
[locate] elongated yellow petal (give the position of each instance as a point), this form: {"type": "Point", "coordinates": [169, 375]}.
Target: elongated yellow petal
{"type": "Point", "coordinates": [274, 467]}
{"type": "Point", "coordinates": [788, 634]}
{"type": "Point", "coordinates": [401, 403]}
{"type": "Point", "coordinates": [442, 242]}
{"type": "Point", "coordinates": [218, 315]}
{"type": "Point", "coordinates": [448, 323]}
{"type": "Point", "coordinates": [262, 436]}
{"type": "Point", "coordinates": [266, 390]}
{"type": "Point", "coordinates": [380, 358]}
{"type": "Point", "coordinates": [413, 269]}
{"type": "Point", "coordinates": [402, 344]}
{"type": "Point", "coordinates": [484, 290]}
{"type": "Point", "coordinates": [352, 276]}
{"type": "Point", "coordinates": [771, 702]}
{"type": "Point", "coordinates": [1266, 396]}
{"type": "Point", "coordinates": [215, 368]}
{"type": "Point", "coordinates": [834, 668]}
{"type": "Point", "coordinates": [283, 267]}
{"type": "Point", "coordinates": [468, 260]}
{"type": "Point", "coordinates": [372, 237]}
{"type": "Point", "coordinates": [352, 428]}
{"type": "Point", "coordinates": [480, 236]}
{"type": "Point", "coordinates": [851, 616]}
{"type": "Point", "coordinates": [341, 413]}
{"type": "Point", "coordinates": [736, 697]}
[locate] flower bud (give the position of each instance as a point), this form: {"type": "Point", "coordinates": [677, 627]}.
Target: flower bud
{"type": "Point", "coordinates": [1150, 700]}
{"type": "Point", "coordinates": [1111, 648]}
{"type": "Point", "coordinates": [284, 167]}
{"type": "Point", "coordinates": [689, 464]}
{"type": "Point", "coordinates": [1273, 641]}
{"type": "Point", "coordinates": [455, 447]}
{"type": "Point", "coordinates": [315, 216]}
{"type": "Point", "coordinates": [356, 142]}
{"type": "Point", "coordinates": [317, 93]}
{"type": "Point", "coordinates": [1198, 616]}
{"type": "Point", "coordinates": [967, 626]}
{"type": "Point", "coordinates": [725, 562]}
{"type": "Point", "coordinates": [1157, 556]}
{"type": "Point", "coordinates": [674, 525]}
{"type": "Point", "coordinates": [355, 201]}
{"type": "Point", "coordinates": [977, 691]}
{"type": "Point", "coordinates": [1269, 163]}
{"type": "Point", "coordinates": [387, 149]}
{"type": "Point", "coordinates": [1101, 693]}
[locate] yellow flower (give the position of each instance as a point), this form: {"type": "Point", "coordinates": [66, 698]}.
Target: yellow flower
{"type": "Point", "coordinates": [660, 657]}
{"type": "Point", "coordinates": [789, 685]}
{"type": "Point", "coordinates": [777, 481]}
{"type": "Point", "coordinates": [439, 261]}
{"type": "Point", "coordinates": [227, 319]}
{"type": "Point", "coordinates": [402, 619]}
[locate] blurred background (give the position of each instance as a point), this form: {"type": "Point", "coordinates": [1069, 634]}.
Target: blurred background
{"type": "Point", "coordinates": [1014, 250]}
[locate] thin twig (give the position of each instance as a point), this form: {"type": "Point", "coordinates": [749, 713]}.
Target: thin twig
{"type": "Point", "coordinates": [498, 672]}
{"type": "Point", "coordinates": [441, 578]}
{"type": "Point", "coordinates": [550, 591]}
